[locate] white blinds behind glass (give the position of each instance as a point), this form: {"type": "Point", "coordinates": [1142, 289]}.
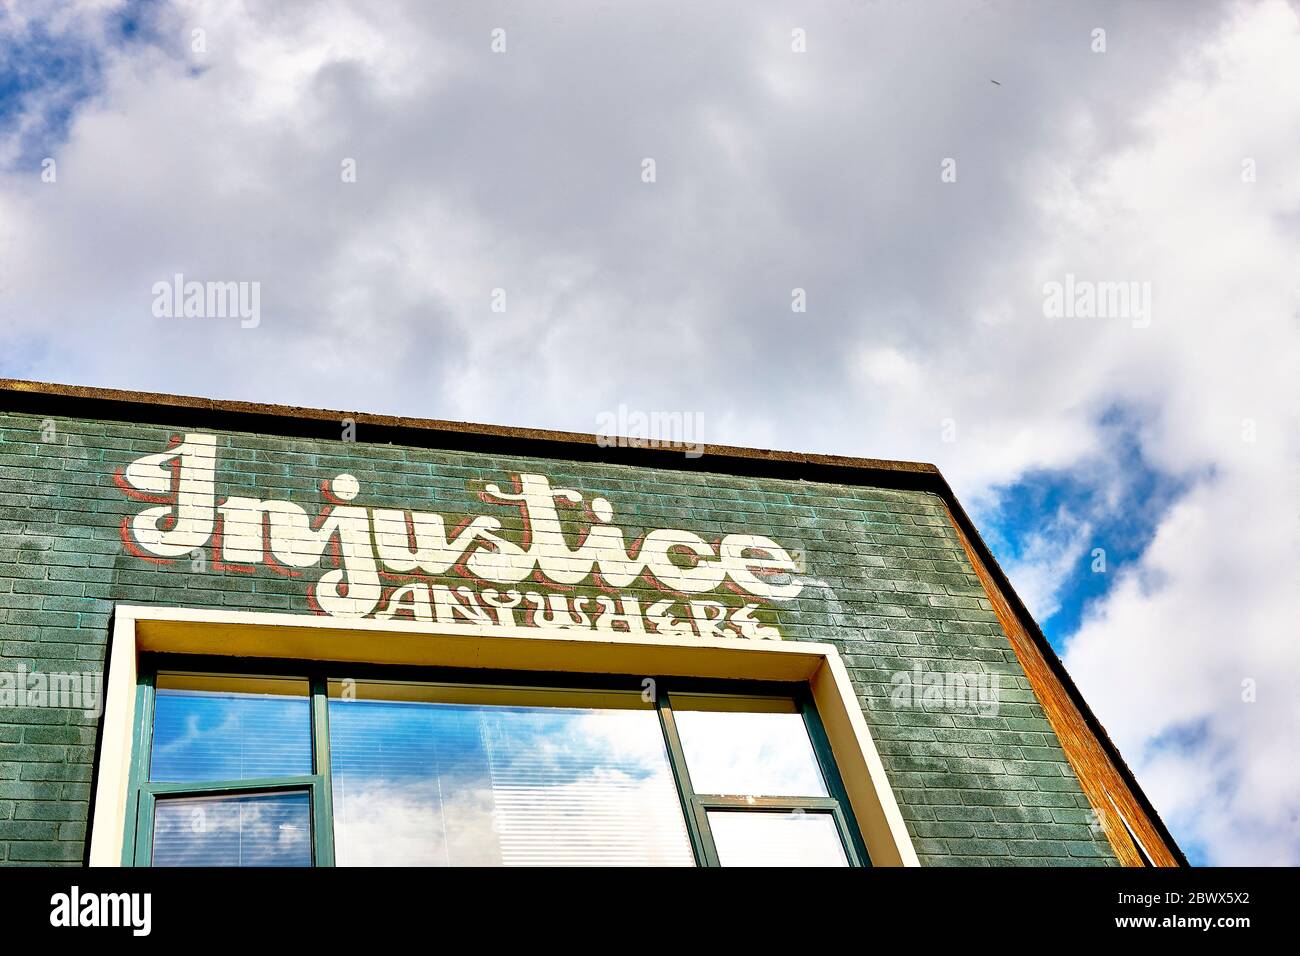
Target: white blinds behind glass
{"type": "Point", "coordinates": [427, 783]}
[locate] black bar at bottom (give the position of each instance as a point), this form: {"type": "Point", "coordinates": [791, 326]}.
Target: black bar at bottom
{"type": "Point", "coordinates": [634, 907]}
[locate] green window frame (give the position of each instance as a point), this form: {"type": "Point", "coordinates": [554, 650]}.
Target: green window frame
{"type": "Point", "coordinates": [144, 794]}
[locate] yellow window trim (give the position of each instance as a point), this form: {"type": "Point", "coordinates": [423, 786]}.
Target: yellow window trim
{"type": "Point", "coordinates": [181, 630]}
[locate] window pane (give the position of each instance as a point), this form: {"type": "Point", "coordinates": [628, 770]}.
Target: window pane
{"type": "Point", "coordinates": [754, 747]}
{"type": "Point", "coordinates": [776, 838]}
{"type": "Point", "coordinates": [440, 775]}
{"type": "Point", "coordinates": [256, 829]}
{"type": "Point", "coordinates": [229, 728]}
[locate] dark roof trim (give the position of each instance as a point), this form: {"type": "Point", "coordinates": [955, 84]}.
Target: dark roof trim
{"type": "Point", "coordinates": [78, 401]}
{"type": "Point", "coordinates": [75, 401]}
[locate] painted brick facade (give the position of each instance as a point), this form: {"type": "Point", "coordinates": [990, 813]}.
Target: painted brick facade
{"type": "Point", "coordinates": [888, 583]}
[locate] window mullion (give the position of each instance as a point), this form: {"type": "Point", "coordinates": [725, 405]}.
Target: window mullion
{"type": "Point", "coordinates": [142, 835]}
{"type": "Point", "coordinates": [322, 817]}
{"type": "Point", "coordinates": [697, 824]}
{"type": "Point", "coordinates": [199, 788]}
{"type": "Point", "coordinates": [847, 837]}
{"type": "Point", "coordinates": [712, 801]}
{"type": "Point", "coordinates": [139, 772]}
{"type": "Point", "coordinates": [850, 834]}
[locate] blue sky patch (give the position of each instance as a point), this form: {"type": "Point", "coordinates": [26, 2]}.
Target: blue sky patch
{"type": "Point", "coordinates": [49, 75]}
{"type": "Point", "coordinates": [1122, 499]}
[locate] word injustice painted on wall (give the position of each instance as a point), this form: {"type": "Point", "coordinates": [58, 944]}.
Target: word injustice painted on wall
{"type": "Point", "coordinates": [402, 564]}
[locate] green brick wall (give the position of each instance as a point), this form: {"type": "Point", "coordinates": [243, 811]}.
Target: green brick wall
{"type": "Point", "coordinates": [894, 591]}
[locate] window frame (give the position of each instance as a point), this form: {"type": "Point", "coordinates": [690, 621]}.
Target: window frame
{"type": "Point", "coordinates": [143, 795]}
{"type": "Point", "coordinates": [696, 806]}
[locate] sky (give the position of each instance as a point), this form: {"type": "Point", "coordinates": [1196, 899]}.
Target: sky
{"type": "Point", "coordinates": [449, 213]}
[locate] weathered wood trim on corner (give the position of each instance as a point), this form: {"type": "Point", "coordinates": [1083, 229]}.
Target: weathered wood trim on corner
{"type": "Point", "coordinates": [1102, 782]}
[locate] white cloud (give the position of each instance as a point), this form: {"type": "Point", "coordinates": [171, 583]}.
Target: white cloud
{"type": "Point", "coordinates": [1047, 559]}
{"type": "Point", "coordinates": [1214, 600]}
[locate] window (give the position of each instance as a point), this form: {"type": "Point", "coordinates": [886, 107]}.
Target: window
{"type": "Point", "coordinates": [227, 773]}
{"type": "Point", "coordinates": [432, 767]}
{"type": "Point", "coordinates": [757, 785]}
{"type": "Point", "coordinates": [448, 775]}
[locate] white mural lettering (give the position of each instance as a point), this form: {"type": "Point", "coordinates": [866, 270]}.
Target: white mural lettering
{"type": "Point", "coordinates": [370, 546]}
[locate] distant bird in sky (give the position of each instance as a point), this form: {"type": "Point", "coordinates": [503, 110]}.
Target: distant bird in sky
{"type": "Point", "coordinates": [995, 82]}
